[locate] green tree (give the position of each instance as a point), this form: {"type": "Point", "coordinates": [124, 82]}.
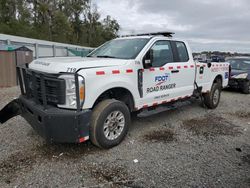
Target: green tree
{"type": "Point", "coordinates": [68, 21]}
{"type": "Point", "coordinates": [61, 29]}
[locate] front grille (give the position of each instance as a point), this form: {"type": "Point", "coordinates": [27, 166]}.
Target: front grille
{"type": "Point", "coordinates": [45, 88]}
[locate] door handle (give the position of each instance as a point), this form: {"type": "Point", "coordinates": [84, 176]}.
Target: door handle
{"type": "Point", "coordinates": [175, 71]}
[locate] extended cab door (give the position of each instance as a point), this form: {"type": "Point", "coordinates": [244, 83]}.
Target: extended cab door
{"type": "Point", "coordinates": [172, 74]}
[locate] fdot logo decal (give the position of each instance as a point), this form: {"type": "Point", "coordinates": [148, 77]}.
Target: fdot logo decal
{"type": "Point", "coordinates": [162, 79]}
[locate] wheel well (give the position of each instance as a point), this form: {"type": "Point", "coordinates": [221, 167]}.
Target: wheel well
{"type": "Point", "coordinates": [218, 79]}
{"type": "Point", "coordinates": [120, 94]}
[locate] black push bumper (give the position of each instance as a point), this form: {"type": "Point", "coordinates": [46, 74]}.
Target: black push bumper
{"type": "Point", "coordinates": [55, 124]}
{"type": "Point", "coordinates": [41, 93]}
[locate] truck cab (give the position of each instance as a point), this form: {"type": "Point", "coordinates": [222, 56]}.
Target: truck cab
{"type": "Point", "coordinates": [76, 99]}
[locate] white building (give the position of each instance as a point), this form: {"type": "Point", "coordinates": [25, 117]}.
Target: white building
{"type": "Point", "coordinates": [42, 48]}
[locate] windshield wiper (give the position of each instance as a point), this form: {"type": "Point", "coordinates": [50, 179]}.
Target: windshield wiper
{"type": "Point", "coordinates": [105, 56]}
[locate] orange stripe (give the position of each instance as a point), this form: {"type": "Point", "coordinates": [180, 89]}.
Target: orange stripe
{"type": "Point", "coordinates": [115, 72]}
{"type": "Point", "coordinates": [100, 73]}
{"type": "Point", "coordinates": [155, 104]}
{"type": "Point", "coordinates": [83, 139]}
{"type": "Point", "coordinates": [129, 70]}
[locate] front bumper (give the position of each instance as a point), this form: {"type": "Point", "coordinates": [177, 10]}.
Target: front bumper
{"type": "Point", "coordinates": [55, 124]}
{"type": "Point", "coordinates": [236, 83]}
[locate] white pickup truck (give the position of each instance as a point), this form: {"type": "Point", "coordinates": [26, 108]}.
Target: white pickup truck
{"type": "Point", "coordinates": [74, 99]}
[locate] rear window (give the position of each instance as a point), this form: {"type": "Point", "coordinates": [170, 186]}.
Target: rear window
{"type": "Point", "coordinates": [182, 52]}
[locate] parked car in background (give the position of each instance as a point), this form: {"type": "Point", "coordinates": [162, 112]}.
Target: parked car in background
{"type": "Point", "coordinates": [217, 58]}
{"type": "Point", "coordinates": [240, 74]}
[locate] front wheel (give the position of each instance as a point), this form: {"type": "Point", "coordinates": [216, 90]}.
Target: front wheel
{"type": "Point", "coordinates": [109, 123]}
{"type": "Point", "coordinates": [212, 98]}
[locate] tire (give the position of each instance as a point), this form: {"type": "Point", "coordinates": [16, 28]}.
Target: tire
{"type": "Point", "coordinates": [107, 135]}
{"type": "Point", "coordinates": [212, 98]}
{"type": "Point", "coordinates": [246, 87]}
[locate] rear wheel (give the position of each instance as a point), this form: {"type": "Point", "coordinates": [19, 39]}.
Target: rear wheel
{"type": "Point", "coordinates": [212, 98]}
{"type": "Point", "coordinates": [109, 123]}
{"type": "Point", "coordinates": [246, 87]}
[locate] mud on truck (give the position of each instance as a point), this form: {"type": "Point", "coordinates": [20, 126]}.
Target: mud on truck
{"type": "Point", "coordinates": [74, 99]}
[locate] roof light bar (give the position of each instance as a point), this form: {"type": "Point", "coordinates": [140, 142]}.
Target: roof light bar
{"type": "Point", "coordinates": [164, 33]}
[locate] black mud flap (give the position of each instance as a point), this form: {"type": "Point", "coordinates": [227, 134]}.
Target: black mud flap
{"type": "Point", "coordinates": [10, 110]}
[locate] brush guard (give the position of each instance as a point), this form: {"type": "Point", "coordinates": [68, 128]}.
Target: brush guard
{"type": "Point", "coordinates": [49, 121]}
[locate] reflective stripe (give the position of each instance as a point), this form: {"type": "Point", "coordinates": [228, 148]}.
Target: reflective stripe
{"type": "Point", "coordinates": [83, 139]}
{"type": "Point", "coordinates": [129, 70]}
{"type": "Point", "coordinates": [164, 102]}
{"type": "Point", "coordinates": [100, 73]}
{"type": "Point", "coordinates": [115, 72]}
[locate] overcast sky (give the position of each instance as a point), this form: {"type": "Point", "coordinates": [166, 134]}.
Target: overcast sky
{"type": "Point", "coordinates": [207, 24]}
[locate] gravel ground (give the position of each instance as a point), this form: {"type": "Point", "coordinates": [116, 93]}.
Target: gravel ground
{"type": "Point", "coordinates": [189, 146]}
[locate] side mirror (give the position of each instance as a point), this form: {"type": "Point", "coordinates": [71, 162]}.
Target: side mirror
{"type": "Point", "coordinates": [148, 59]}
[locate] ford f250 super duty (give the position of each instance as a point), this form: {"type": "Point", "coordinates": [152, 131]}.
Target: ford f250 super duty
{"type": "Point", "coordinates": [74, 99]}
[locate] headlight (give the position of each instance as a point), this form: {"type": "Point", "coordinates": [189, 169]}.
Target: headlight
{"type": "Point", "coordinates": [240, 76]}
{"type": "Point", "coordinates": [71, 95]}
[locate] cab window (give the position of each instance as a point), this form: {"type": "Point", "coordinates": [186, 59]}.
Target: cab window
{"type": "Point", "coordinates": [182, 52]}
{"type": "Point", "coordinates": [162, 53]}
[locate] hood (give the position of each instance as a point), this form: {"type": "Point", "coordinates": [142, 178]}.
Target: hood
{"type": "Point", "coordinates": [235, 72]}
{"type": "Point", "coordinates": [68, 64]}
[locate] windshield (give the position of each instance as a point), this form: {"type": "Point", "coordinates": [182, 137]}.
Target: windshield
{"type": "Point", "coordinates": [240, 64]}
{"type": "Point", "coordinates": [120, 48]}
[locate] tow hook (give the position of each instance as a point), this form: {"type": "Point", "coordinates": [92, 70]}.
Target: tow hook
{"type": "Point", "coordinates": [11, 110]}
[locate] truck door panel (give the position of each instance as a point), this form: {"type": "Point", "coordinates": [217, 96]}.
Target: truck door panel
{"type": "Point", "coordinates": [167, 79]}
